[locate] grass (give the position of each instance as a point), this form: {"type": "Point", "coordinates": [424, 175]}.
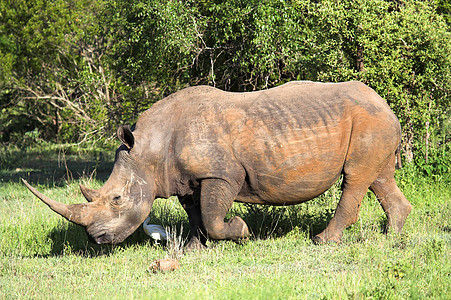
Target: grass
{"type": "Point", "coordinates": [44, 256]}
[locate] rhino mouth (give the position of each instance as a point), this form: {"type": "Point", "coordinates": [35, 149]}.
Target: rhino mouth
{"type": "Point", "coordinates": [99, 235]}
{"type": "Point", "coordinates": [103, 236]}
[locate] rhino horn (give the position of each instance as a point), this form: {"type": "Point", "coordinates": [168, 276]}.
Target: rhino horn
{"type": "Point", "coordinates": [89, 194]}
{"type": "Point", "coordinates": [75, 213]}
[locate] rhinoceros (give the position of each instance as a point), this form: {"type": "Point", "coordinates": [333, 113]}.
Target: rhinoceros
{"type": "Point", "coordinates": [280, 146]}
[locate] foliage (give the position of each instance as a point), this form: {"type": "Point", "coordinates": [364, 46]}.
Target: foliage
{"type": "Point", "coordinates": [40, 62]}
{"type": "Point", "coordinates": [73, 70]}
{"type": "Point", "coordinates": [444, 9]}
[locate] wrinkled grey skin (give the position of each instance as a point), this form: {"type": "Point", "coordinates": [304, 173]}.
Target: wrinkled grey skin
{"type": "Point", "coordinates": [280, 146]}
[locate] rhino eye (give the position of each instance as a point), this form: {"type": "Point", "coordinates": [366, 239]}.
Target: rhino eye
{"type": "Point", "coordinates": [117, 199]}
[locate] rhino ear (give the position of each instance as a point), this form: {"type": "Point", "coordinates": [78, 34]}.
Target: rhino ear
{"type": "Point", "coordinates": [126, 136]}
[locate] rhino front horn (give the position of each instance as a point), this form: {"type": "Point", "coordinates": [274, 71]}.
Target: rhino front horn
{"type": "Point", "coordinates": [74, 213]}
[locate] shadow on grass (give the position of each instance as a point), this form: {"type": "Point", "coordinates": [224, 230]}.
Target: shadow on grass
{"type": "Point", "coordinates": [69, 238]}
{"type": "Point", "coordinates": [266, 221]}
{"type": "Point", "coordinates": [73, 239]}
{"type": "Point", "coordinates": [263, 223]}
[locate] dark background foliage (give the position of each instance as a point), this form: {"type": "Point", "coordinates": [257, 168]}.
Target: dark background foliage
{"type": "Point", "coordinates": [71, 71]}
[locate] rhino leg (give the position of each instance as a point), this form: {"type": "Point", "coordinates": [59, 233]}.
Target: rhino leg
{"type": "Point", "coordinates": [356, 181]}
{"type": "Point", "coordinates": [217, 197]}
{"type": "Point", "coordinates": [346, 214]}
{"type": "Point", "coordinates": [191, 204]}
{"type": "Point", "coordinates": [392, 200]}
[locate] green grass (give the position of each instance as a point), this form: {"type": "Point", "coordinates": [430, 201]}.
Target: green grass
{"type": "Point", "coordinates": [44, 256]}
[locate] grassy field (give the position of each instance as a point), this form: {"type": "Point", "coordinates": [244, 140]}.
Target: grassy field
{"type": "Point", "coordinates": [44, 256]}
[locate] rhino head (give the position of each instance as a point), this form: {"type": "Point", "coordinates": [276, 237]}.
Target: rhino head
{"type": "Point", "coordinates": [117, 209]}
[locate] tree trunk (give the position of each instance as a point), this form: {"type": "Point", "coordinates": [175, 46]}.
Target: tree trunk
{"type": "Point", "coordinates": [359, 59]}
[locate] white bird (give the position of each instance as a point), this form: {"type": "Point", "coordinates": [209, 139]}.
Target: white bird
{"type": "Point", "coordinates": [156, 232]}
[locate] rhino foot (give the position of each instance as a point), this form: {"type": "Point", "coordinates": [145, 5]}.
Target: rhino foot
{"type": "Point", "coordinates": [321, 239]}
{"type": "Point", "coordinates": [317, 240]}
{"type": "Point", "coordinates": [238, 229]}
{"type": "Point", "coordinates": [194, 244]}
{"type": "Point", "coordinates": [242, 241]}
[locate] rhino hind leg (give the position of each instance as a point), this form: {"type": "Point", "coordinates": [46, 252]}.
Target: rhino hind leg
{"type": "Point", "coordinates": [392, 200]}
{"type": "Point", "coordinates": [346, 214]}
{"type": "Point", "coordinates": [217, 197]}
{"type": "Point", "coordinates": [359, 172]}
{"type": "Point", "coordinates": [355, 186]}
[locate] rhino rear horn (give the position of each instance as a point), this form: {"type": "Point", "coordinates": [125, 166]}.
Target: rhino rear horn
{"type": "Point", "coordinates": [89, 194]}
{"type": "Point", "coordinates": [75, 213]}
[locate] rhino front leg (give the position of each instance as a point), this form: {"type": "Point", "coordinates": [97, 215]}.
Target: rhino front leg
{"type": "Point", "coordinates": [217, 197]}
{"type": "Point", "coordinates": [191, 204]}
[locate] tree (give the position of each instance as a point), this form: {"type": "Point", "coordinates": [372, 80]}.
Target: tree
{"type": "Point", "coordinates": [44, 56]}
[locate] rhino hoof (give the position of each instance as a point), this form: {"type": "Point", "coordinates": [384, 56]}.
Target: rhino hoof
{"type": "Point", "coordinates": [242, 241]}
{"type": "Point", "coordinates": [238, 228]}
{"type": "Point", "coordinates": [194, 244]}
{"type": "Point", "coordinates": [317, 240]}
